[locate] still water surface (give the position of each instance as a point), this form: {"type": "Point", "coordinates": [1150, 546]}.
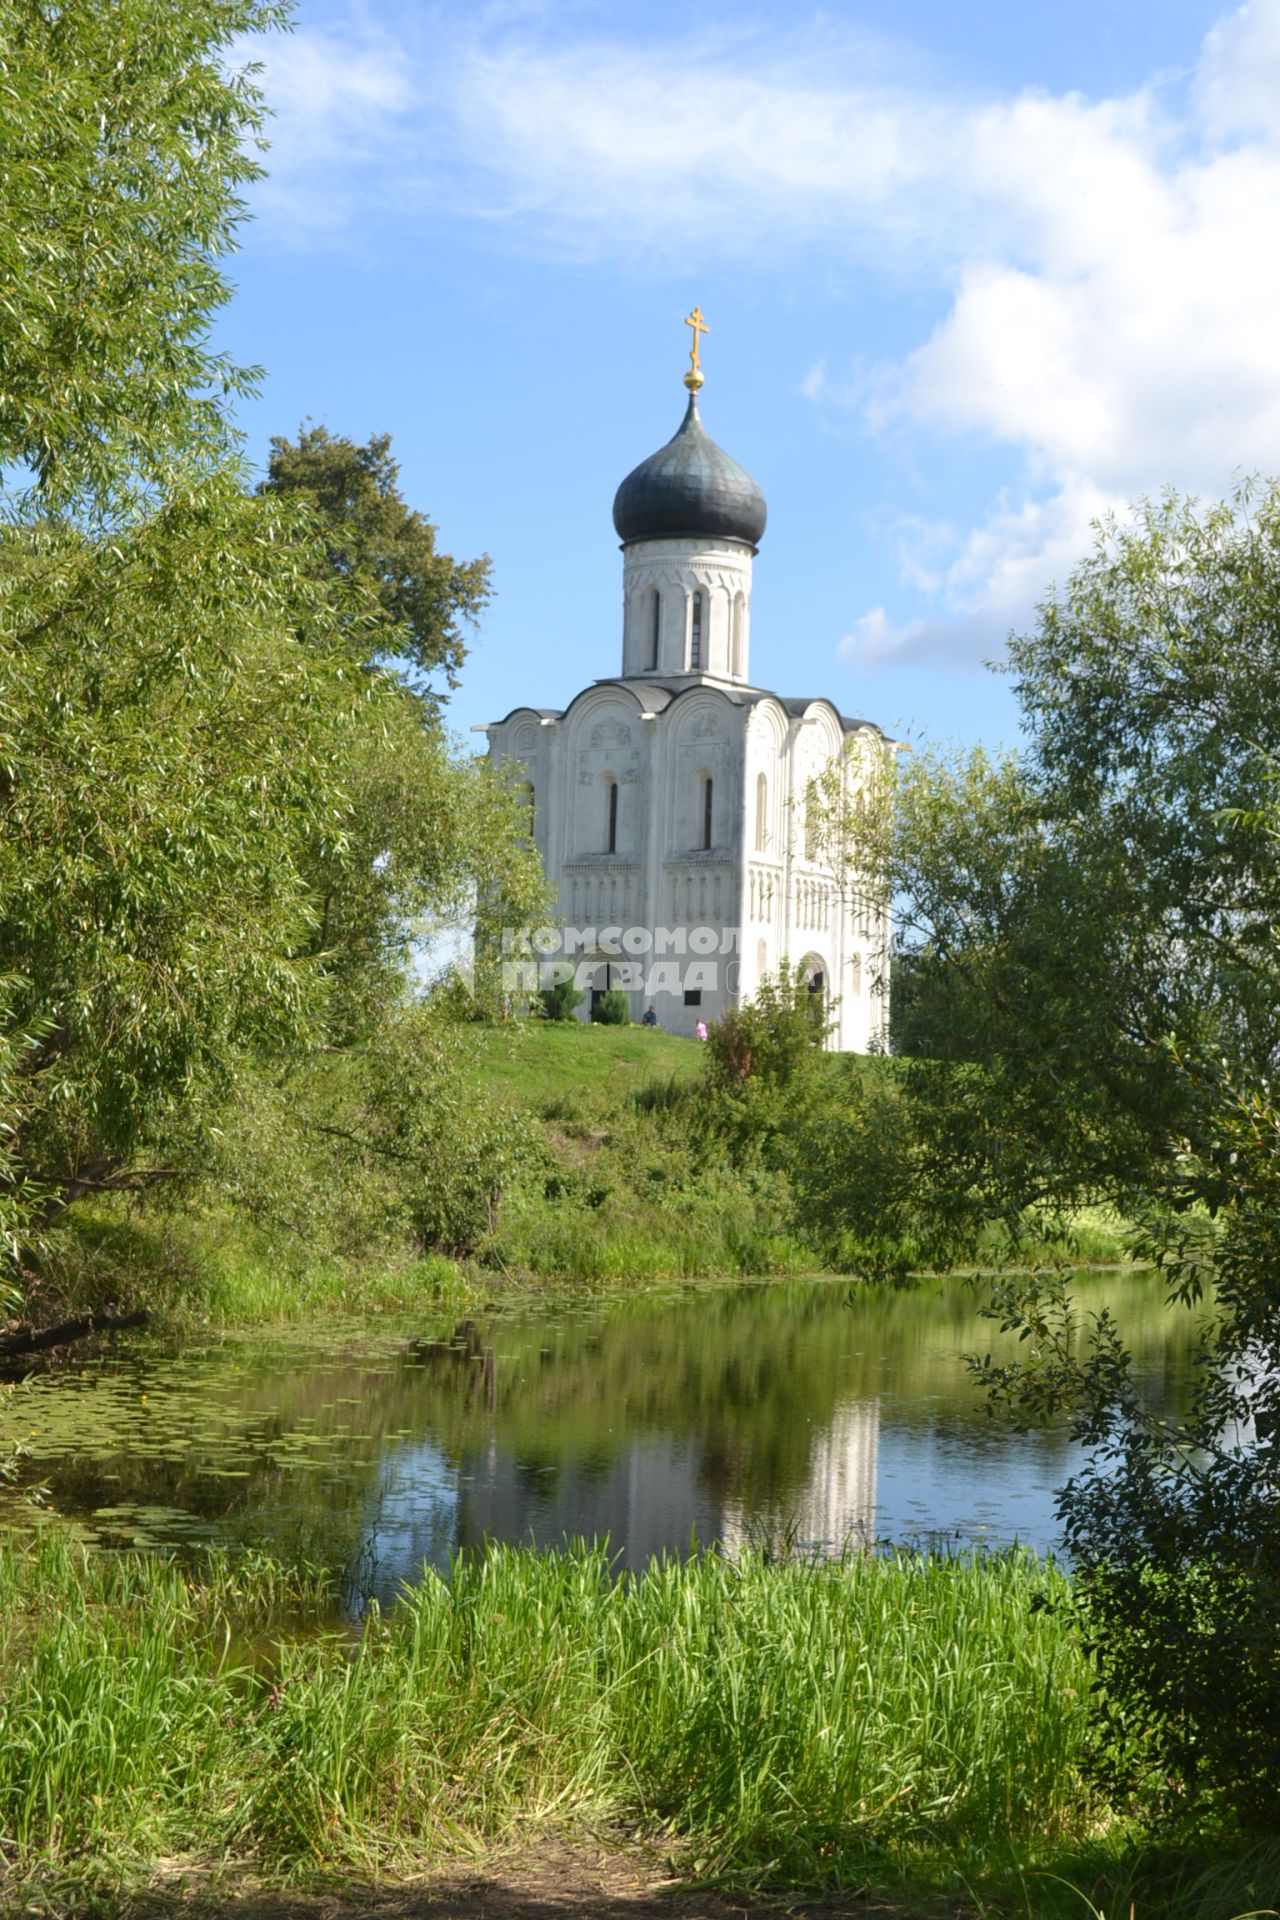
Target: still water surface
{"type": "Point", "coordinates": [754, 1412]}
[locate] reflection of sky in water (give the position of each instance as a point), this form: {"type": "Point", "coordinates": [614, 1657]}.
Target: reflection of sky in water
{"type": "Point", "coordinates": [412, 1516]}
{"type": "Point", "coordinates": [870, 1478]}
{"type": "Point", "coordinates": [941, 1485]}
{"type": "Point", "coordinates": [646, 1501]}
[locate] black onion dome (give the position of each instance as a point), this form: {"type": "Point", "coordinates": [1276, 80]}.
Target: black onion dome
{"type": "Point", "coordinates": [688, 489]}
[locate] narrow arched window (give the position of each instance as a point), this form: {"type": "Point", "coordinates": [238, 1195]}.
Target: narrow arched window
{"type": "Point", "coordinates": [735, 658]}
{"type": "Point", "coordinates": [762, 812]}
{"type": "Point", "coordinates": [695, 633]}
{"type": "Point", "coordinates": [706, 812]}
{"type": "Point", "coordinates": [655, 629]}
{"type": "Point", "coordinates": [810, 829]}
{"type": "Point", "coordinates": [855, 974]}
{"type": "Point", "coordinates": [611, 842]}
{"type": "Point", "coordinates": [525, 796]}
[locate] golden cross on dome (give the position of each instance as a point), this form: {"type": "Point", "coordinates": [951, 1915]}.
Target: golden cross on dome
{"type": "Point", "coordinates": [693, 379]}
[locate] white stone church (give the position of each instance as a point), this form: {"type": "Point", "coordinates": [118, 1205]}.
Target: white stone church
{"type": "Point", "coordinates": [669, 803]}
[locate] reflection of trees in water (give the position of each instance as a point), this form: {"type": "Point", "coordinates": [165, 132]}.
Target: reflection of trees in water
{"type": "Point", "coordinates": [741, 1382]}
{"type": "Point", "coordinates": [467, 1344]}
{"type": "Point", "coordinates": [750, 1371]}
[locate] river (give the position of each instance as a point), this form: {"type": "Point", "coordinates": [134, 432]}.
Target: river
{"type": "Point", "coordinates": [803, 1415]}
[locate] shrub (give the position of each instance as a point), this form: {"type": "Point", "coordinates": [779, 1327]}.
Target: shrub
{"type": "Point", "coordinates": [560, 1002]}
{"type": "Point", "coordinates": [771, 1037]}
{"type": "Point", "coordinates": [612, 1009]}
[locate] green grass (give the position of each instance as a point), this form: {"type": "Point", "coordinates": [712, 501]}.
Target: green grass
{"type": "Point", "coordinates": [910, 1726]}
{"type": "Point", "coordinates": [633, 1243]}
{"type": "Point", "coordinates": [797, 1724]}
{"type": "Point", "coordinates": [203, 1268]}
{"type": "Point", "coordinates": [627, 1190]}
{"type": "Point", "coordinates": [538, 1063]}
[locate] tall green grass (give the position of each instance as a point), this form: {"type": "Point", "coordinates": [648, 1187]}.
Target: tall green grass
{"type": "Point", "coordinates": [801, 1724]}
{"type": "Point", "coordinates": [636, 1242]}
{"type": "Point", "coordinates": [212, 1269]}
{"type": "Point", "coordinates": [909, 1726]}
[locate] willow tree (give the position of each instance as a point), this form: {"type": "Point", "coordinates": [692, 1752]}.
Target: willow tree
{"type": "Point", "coordinates": [198, 756]}
{"type": "Point", "coordinates": [127, 143]}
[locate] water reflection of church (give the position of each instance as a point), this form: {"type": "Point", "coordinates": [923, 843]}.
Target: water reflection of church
{"type": "Point", "coordinates": [648, 1499]}
{"type": "Point", "coordinates": [651, 1497]}
{"type": "Point", "coordinates": [836, 1507]}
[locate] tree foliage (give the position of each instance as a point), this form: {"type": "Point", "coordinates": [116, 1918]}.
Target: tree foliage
{"type": "Point", "coordinates": [759, 1082]}
{"type": "Point", "coordinates": [1091, 932]}
{"type": "Point", "coordinates": [561, 1001]}
{"type": "Point", "coordinates": [768, 1039]}
{"type": "Point", "coordinates": [126, 142]}
{"type": "Point", "coordinates": [174, 749]}
{"type": "Point", "coordinates": [1175, 1527]}
{"type": "Point", "coordinates": [226, 820]}
{"type": "Point", "coordinates": [1065, 914]}
{"type": "Point", "coordinates": [421, 597]}
{"type": "Point", "coordinates": [390, 1143]}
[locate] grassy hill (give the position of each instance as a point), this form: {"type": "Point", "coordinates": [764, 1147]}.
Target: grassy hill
{"type": "Point", "coordinates": [625, 1190]}
{"type": "Point", "coordinates": [611, 1189]}
{"type": "Point", "coordinates": [536, 1063]}
{"type": "Point", "coordinates": [638, 1190]}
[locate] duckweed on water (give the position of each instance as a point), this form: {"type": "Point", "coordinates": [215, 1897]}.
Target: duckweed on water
{"type": "Point", "coordinates": [156, 1449]}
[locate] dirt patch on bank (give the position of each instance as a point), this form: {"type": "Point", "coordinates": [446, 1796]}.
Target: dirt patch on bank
{"type": "Point", "coordinates": [557, 1880]}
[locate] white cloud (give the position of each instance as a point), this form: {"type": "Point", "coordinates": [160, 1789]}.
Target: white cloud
{"type": "Point", "coordinates": [982, 583]}
{"type": "Point", "coordinates": [969, 640]}
{"type": "Point", "coordinates": [599, 146]}
{"type": "Point", "coordinates": [608, 149]}
{"type": "Point", "coordinates": [1239, 76]}
{"type": "Point", "coordinates": [340, 98]}
{"type": "Point", "coordinates": [814, 384]}
{"type": "Point", "coordinates": [1122, 339]}
{"type": "Point", "coordinates": [1111, 280]}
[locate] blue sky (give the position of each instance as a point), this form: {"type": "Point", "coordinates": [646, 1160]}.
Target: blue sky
{"type": "Point", "coordinates": [974, 277]}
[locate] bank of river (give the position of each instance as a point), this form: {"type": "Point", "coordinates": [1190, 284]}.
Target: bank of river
{"type": "Point", "coordinates": [795, 1414]}
{"type": "Point", "coordinates": [915, 1725]}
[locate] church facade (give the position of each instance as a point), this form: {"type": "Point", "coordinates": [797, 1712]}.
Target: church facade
{"type": "Point", "coordinates": [671, 804]}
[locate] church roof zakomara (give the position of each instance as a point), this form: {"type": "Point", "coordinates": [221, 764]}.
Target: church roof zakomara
{"type": "Point", "coordinates": [654, 697]}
